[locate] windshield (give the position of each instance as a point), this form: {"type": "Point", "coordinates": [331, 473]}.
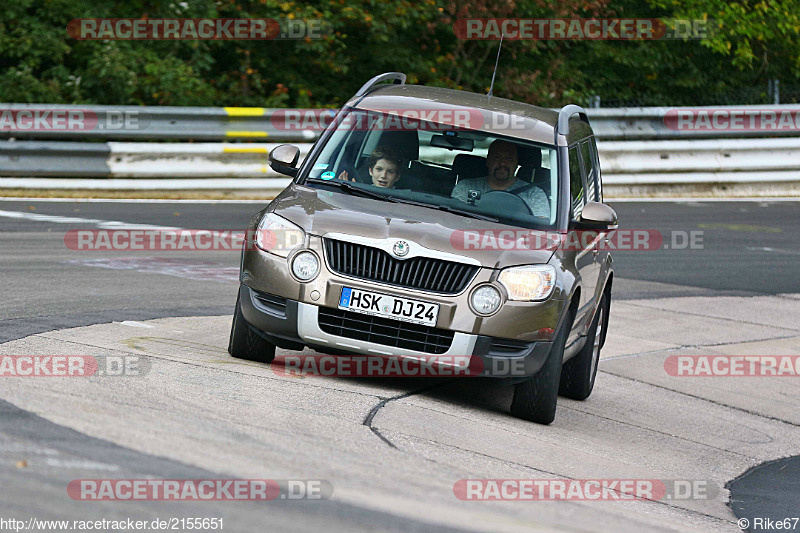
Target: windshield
{"type": "Point", "coordinates": [464, 171]}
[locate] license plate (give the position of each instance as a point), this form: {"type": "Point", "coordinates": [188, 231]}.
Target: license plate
{"type": "Point", "coordinates": [376, 304]}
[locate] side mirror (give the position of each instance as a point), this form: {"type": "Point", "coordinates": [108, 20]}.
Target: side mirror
{"type": "Point", "coordinates": [597, 216]}
{"type": "Point", "coordinates": [284, 158]}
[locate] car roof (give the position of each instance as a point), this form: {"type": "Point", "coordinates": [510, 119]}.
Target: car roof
{"type": "Point", "coordinates": [491, 114]}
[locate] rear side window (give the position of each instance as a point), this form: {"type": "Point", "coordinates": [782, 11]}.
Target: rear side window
{"type": "Point", "coordinates": [589, 171]}
{"type": "Point", "coordinates": [575, 182]}
{"type": "Point", "coordinates": [598, 175]}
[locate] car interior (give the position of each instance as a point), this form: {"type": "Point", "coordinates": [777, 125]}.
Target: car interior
{"type": "Point", "coordinates": [431, 177]}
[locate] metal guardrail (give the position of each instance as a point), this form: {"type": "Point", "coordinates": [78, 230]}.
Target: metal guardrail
{"type": "Point", "coordinates": [93, 122]}
{"type": "Point", "coordinates": [708, 161]}
{"type": "Point", "coordinates": [651, 123]}
{"type": "Point", "coordinates": [137, 160]}
{"type": "Point", "coordinates": [47, 158]}
{"type": "Point", "coordinates": [182, 160]}
{"type": "Point", "coordinates": [636, 145]}
{"type": "Point", "coordinates": [262, 124]}
{"type": "Point", "coordinates": [622, 162]}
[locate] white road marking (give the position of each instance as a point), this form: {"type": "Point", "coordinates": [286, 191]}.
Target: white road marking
{"type": "Point", "coordinates": [134, 324]}
{"type": "Point", "coordinates": [80, 464]}
{"type": "Point", "coordinates": [102, 224]}
{"type": "Point", "coordinates": [131, 200]}
{"type": "Point", "coordinates": [681, 199]}
{"type": "Point", "coordinates": [194, 270]}
{"type": "Point", "coordinates": [266, 186]}
{"type": "Point", "coordinates": [27, 448]}
{"type": "Point", "coordinates": [201, 271]}
{"type": "Point", "coordinates": [773, 250]}
{"type": "Point", "coordinates": [675, 199]}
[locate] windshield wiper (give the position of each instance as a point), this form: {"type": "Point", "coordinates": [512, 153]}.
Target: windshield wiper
{"type": "Point", "coordinates": [349, 187]}
{"type": "Point", "coordinates": [467, 213]}
{"type": "Point", "coordinates": [449, 209]}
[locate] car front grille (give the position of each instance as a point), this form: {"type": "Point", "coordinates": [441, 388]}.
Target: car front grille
{"type": "Point", "coordinates": [423, 273]}
{"type": "Point", "coordinates": [385, 331]}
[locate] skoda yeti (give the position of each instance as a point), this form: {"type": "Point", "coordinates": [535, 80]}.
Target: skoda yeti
{"type": "Point", "coordinates": [432, 222]}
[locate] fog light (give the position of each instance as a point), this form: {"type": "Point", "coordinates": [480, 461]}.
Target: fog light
{"type": "Point", "coordinates": [305, 266]}
{"type": "Point", "coordinates": [486, 300]}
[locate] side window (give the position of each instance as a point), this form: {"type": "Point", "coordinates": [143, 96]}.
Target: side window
{"type": "Point", "coordinates": [589, 171]}
{"type": "Point", "coordinates": [575, 182]}
{"type": "Point", "coordinates": [598, 174]}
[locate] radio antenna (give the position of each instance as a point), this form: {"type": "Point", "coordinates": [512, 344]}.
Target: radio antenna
{"type": "Point", "coordinates": [496, 61]}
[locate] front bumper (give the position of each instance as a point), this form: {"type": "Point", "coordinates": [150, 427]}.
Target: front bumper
{"type": "Point", "coordinates": [523, 321]}
{"type": "Point", "coordinates": [292, 325]}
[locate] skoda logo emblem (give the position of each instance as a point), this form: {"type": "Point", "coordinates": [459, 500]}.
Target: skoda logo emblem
{"type": "Point", "coordinates": [400, 248]}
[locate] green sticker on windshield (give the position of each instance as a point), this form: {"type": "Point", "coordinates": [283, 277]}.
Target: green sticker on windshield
{"type": "Point", "coordinates": [329, 175]}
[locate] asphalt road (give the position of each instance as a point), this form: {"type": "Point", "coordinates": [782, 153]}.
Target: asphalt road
{"type": "Point", "coordinates": [749, 254]}
{"type": "Point", "coordinates": [748, 248]}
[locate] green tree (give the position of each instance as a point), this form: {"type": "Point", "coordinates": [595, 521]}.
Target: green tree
{"type": "Point", "coordinates": [752, 41]}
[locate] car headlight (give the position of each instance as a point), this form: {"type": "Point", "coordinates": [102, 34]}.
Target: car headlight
{"type": "Point", "coordinates": [485, 300]}
{"type": "Point", "coordinates": [278, 236]}
{"type": "Point", "coordinates": [529, 283]}
{"type": "Point", "coordinates": [305, 266]}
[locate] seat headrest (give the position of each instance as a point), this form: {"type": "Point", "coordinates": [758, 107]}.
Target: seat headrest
{"type": "Point", "coordinates": [404, 142]}
{"type": "Point", "coordinates": [529, 157]}
{"type": "Point", "coordinates": [470, 166]}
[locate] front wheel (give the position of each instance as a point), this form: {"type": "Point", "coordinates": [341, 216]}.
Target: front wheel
{"type": "Point", "coordinates": [578, 374]}
{"type": "Point", "coordinates": [536, 399]}
{"type": "Point", "coordinates": [246, 343]}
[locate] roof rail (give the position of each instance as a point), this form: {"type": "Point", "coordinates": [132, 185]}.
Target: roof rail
{"type": "Point", "coordinates": [565, 114]}
{"type": "Point", "coordinates": [396, 77]}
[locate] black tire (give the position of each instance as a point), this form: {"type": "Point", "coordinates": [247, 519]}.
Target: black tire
{"type": "Point", "coordinates": [536, 399]}
{"type": "Point", "coordinates": [578, 374]}
{"type": "Point", "coordinates": [246, 343]}
{"type": "Point", "coordinates": [608, 315]}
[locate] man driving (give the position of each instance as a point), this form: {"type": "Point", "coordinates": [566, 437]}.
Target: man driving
{"type": "Point", "coordinates": [501, 162]}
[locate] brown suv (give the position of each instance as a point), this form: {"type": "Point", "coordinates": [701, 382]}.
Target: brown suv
{"type": "Point", "coordinates": [433, 222]}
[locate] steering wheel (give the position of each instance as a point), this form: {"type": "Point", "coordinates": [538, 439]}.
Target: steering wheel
{"type": "Point", "coordinates": [504, 202]}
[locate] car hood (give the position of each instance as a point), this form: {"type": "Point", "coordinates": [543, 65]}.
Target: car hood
{"type": "Point", "coordinates": [321, 212]}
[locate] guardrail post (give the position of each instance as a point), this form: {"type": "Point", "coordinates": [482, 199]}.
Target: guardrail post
{"type": "Point", "coordinates": [774, 91]}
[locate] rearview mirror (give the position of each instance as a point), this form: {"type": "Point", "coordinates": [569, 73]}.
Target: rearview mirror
{"type": "Point", "coordinates": [597, 216]}
{"type": "Point", "coordinates": [284, 158]}
{"type": "Point", "coordinates": [452, 143]}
